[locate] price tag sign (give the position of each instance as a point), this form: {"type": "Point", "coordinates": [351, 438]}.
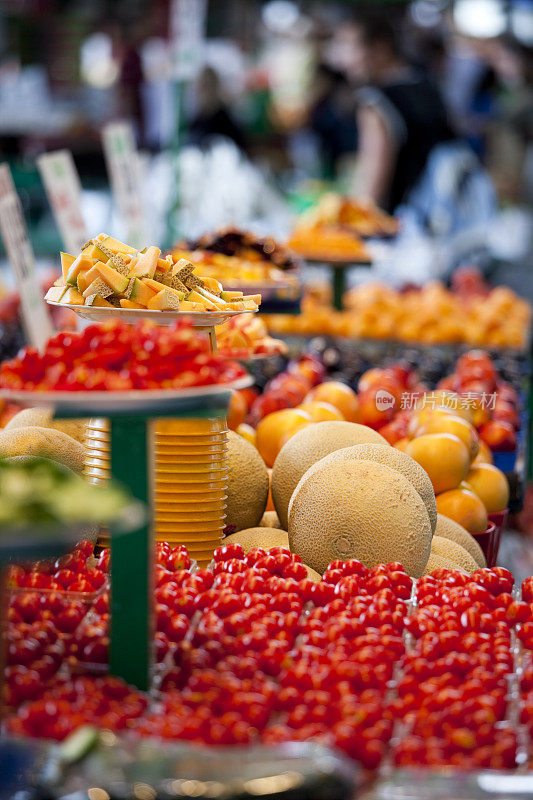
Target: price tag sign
{"type": "Point", "coordinates": [20, 254]}
{"type": "Point", "coordinates": [187, 24]}
{"type": "Point", "coordinates": [124, 167]}
{"type": "Point", "coordinates": [63, 190]}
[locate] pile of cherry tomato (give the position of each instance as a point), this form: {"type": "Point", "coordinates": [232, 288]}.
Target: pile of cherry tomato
{"type": "Point", "coordinates": [254, 651]}
{"type": "Point", "coordinates": [114, 356]}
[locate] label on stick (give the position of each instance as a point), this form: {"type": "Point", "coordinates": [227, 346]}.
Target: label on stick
{"type": "Point", "coordinates": [63, 190]}
{"type": "Point", "coordinates": [35, 315]}
{"type": "Point", "coordinates": [187, 24]}
{"type": "Point", "coordinates": [124, 167]}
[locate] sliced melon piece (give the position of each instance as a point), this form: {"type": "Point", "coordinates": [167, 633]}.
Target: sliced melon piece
{"type": "Point", "coordinates": [187, 305]}
{"type": "Point", "coordinates": [130, 304]}
{"type": "Point", "coordinates": [82, 281]}
{"type": "Point", "coordinates": [147, 263]}
{"type": "Point", "coordinates": [141, 292]}
{"type": "Point", "coordinates": [166, 300]}
{"type": "Point", "coordinates": [254, 298]}
{"type": "Point", "coordinates": [118, 247]}
{"type": "Point", "coordinates": [72, 297]}
{"type": "Point", "coordinates": [211, 284]}
{"type": "Point", "coordinates": [93, 252]}
{"type": "Point", "coordinates": [80, 264]}
{"type": "Point", "coordinates": [97, 301]}
{"type": "Point", "coordinates": [66, 262]}
{"type": "Point", "coordinates": [210, 298]}
{"type": "Point", "coordinates": [100, 287]}
{"type": "Point", "coordinates": [114, 279]}
{"type": "Point", "coordinates": [55, 293]}
{"type": "Point", "coordinates": [93, 273]}
{"type": "Point", "coordinates": [163, 264]}
{"type": "Point", "coordinates": [229, 296]}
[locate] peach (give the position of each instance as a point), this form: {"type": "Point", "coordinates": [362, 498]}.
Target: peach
{"type": "Point", "coordinates": [441, 422]}
{"type": "Point", "coordinates": [464, 507]}
{"type": "Point", "coordinates": [321, 411]}
{"type": "Point", "coordinates": [402, 444]}
{"type": "Point", "coordinates": [444, 457]}
{"type": "Point", "coordinates": [490, 485]}
{"type": "Point", "coordinates": [340, 396]}
{"type": "Point", "coordinates": [276, 427]}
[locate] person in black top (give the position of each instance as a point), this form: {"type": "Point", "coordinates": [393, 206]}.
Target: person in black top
{"type": "Point", "coordinates": [400, 115]}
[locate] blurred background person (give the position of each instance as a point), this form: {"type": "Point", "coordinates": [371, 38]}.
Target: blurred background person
{"type": "Point", "coordinates": [400, 116]}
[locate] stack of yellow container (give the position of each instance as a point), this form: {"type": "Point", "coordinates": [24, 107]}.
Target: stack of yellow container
{"type": "Point", "coordinates": [190, 480]}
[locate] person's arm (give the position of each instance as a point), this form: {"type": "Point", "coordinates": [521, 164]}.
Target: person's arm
{"type": "Point", "coordinates": [376, 156]}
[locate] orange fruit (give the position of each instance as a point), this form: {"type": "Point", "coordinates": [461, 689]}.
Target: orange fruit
{"type": "Point", "coordinates": [444, 457]}
{"type": "Point", "coordinates": [236, 411]}
{"type": "Point", "coordinates": [445, 400]}
{"type": "Point", "coordinates": [464, 507]}
{"type": "Point", "coordinates": [401, 444]}
{"type": "Point", "coordinates": [339, 395]}
{"type": "Point", "coordinates": [275, 429]}
{"type": "Point", "coordinates": [490, 485]}
{"type": "Point", "coordinates": [270, 502]}
{"type": "Point", "coordinates": [247, 432]}
{"type": "Point", "coordinates": [484, 455]}
{"type": "Point", "coordinates": [441, 422]}
{"type": "Point", "coordinates": [321, 411]}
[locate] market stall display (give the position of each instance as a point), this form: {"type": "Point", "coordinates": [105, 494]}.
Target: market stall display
{"type": "Point", "coordinates": [431, 314]}
{"type": "Point", "coordinates": [109, 274]}
{"type": "Point", "coordinates": [238, 258]}
{"type": "Point", "coordinates": [246, 337]}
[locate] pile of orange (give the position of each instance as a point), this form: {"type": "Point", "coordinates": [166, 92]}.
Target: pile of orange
{"type": "Point", "coordinates": [444, 441]}
{"type": "Point", "coordinates": [432, 314]}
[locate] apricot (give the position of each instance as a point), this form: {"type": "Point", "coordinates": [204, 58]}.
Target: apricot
{"type": "Point", "coordinates": [402, 444]}
{"type": "Point", "coordinates": [490, 485]}
{"type": "Point", "coordinates": [441, 422]}
{"type": "Point", "coordinates": [464, 507]}
{"type": "Point", "coordinates": [338, 395]}
{"type": "Point", "coordinates": [321, 411]}
{"type": "Point", "coordinates": [444, 457]}
{"type": "Point", "coordinates": [274, 430]}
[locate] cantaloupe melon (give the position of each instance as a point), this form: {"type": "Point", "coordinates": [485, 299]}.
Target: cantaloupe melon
{"type": "Point", "coordinates": [44, 418]}
{"type": "Point", "coordinates": [258, 537]}
{"type": "Point", "coordinates": [437, 562]}
{"type": "Point", "coordinates": [47, 442]}
{"type": "Point", "coordinates": [384, 454]}
{"type": "Point", "coordinates": [363, 510]}
{"type": "Point", "coordinates": [307, 447]}
{"type": "Point", "coordinates": [446, 548]}
{"type": "Point", "coordinates": [247, 484]}
{"type": "Point", "coordinates": [270, 520]}
{"type": "Point", "coordinates": [449, 529]}
{"type": "Point", "coordinates": [312, 574]}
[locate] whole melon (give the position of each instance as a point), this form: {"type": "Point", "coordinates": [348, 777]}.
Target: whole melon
{"type": "Point", "coordinates": [247, 484]}
{"type": "Point", "coordinates": [395, 459]}
{"type": "Point", "coordinates": [312, 574]}
{"type": "Point", "coordinates": [270, 520]}
{"type": "Point", "coordinates": [449, 529]}
{"type": "Point", "coordinates": [47, 442]}
{"type": "Point", "coordinates": [452, 551]}
{"type": "Point", "coordinates": [307, 447]}
{"type": "Point", "coordinates": [363, 510]}
{"type": "Point", "coordinates": [437, 562]}
{"type": "Point", "coordinates": [44, 418]}
{"type": "Point", "coordinates": [258, 537]}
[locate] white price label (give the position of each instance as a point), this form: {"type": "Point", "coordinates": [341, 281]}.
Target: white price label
{"type": "Point", "coordinates": [63, 189]}
{"type": "Point", "coordinates": [187, 25]}
{"type": "Point", "coordinates": [124, 167]}
{"type": "Point", "coordinates": [20, 254]}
